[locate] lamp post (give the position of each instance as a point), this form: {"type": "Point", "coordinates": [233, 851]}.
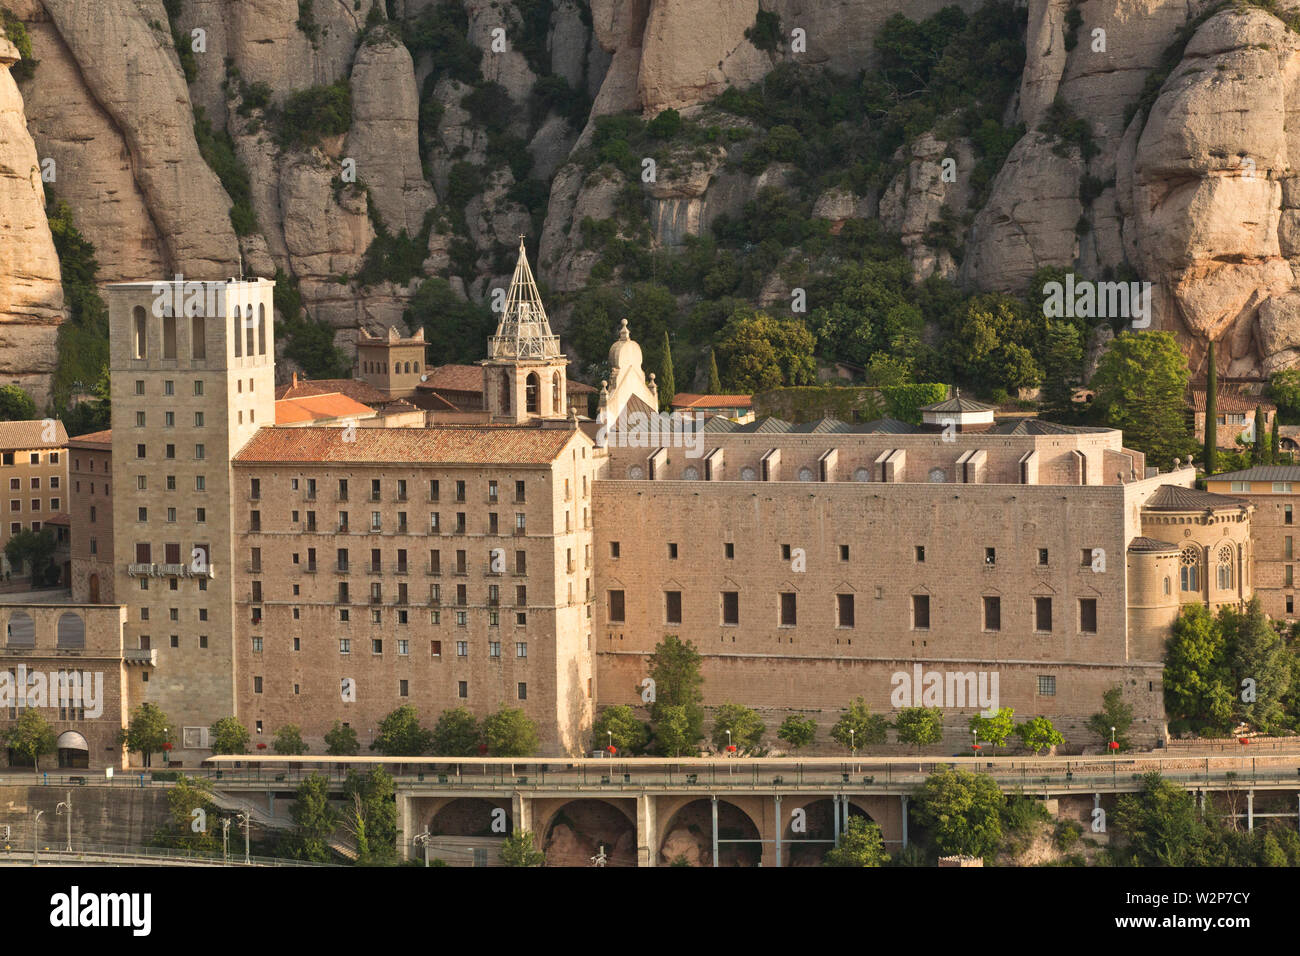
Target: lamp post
{"type": "Point", "coordinates": [610, 749]}
{"type": "Point", "coordinates": [65, 806]}
{"type": "Point", "coordinates": [166, 752]}
{"type": "Point", "coordinates": [422, 839]}
{"type": "Point", "coordinates": [245, 822]}
{"type": "Point", "coordinates": [36, 838]}
{"type": "Point", "coordinates": [1114, 759]}
{"type": "Point", "coordinates": [225, 840]}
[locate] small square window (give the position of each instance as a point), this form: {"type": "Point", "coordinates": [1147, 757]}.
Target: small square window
{"type": "Point", "coordinates": [1046, 686]}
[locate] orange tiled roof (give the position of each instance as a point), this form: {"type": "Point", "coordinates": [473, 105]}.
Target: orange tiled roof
{"type": "Point", "coordinates": [1230, 399]}
{"type": "Point", "coordinates": [30, 434]}
{"type": "Point", "coordinates": [93, 438]}
{"type": "Point", "coordinates": [454, 378]}
{"type": "Point", "coordinates": [444, 444]}
{"type": "Point", "coordinates": [687, 400]}
{"type": "Point", "coordinates": [353, 388]}
{"type": "Point", "coordinates": [469, 378]}
{"type": "Point", "coordinates": [311, 408]}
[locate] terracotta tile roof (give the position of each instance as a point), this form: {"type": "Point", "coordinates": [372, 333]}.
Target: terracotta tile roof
{"type": "Point", "coordinates": [24, 435]}
{"type": "Point", "coordinates": [104, 438]}
{"type": "Point", "coordinates": [353, 388]}
{"type": "Point", "coordinates": [689, 400]}
{"type": "Point", "coordinates": [1152, 544]}
{"type": "Point", "coordinates": [1177, 498]}
{"type": "Point", "coordinates": [454, 378]}
{"type": "Point", "coordinates": [469, 378]}
{"type": "Point", "coordinates": [1260, 473]}
{"type": "Point", "coordinates": [1231, 398]}
{"type": "Point", "coordinates": [310, 408]}
{"type": "Point", "coordinates": [60, 518]}
{"type": "Point", "coordinates": [439, 444]}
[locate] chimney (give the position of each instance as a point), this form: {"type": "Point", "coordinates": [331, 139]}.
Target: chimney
{"type": "Point", "coordinates": [295, 380]}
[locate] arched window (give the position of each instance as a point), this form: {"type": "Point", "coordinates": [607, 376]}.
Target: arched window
{"type": "Point", "coordinates": [938, 475]}
{"type": "Point", "coordinates": [406, 368]}
{"type": "Point", "coordinates": [21, 630]}
{"type": "Point", "coordinates": [239, 338]}
{"type": "Point", "coordinates": [261, 330]}
{"type": "Point", "coordinates": [249, 329]}
{"type": "Point", "coordinates": [556, 406]}
{"type": "Point", "coordinates": [1225, 568]}
{"type": "Point", "coordinates": [1189, 574]}
{"type": "Point", "coordinates": [1166, 584]}
{"type": "Point", "coordinates": [505, 390]}
{"type": "Point", "coordinates": [531, 388]}
{"type": "Point", "coordinates": [169, 336]}
{"type": "Point", "coordinates": [417, 368]}
{"type": "Point", "coordinates": [397, 368]}
{"type": "Point", "coordinates": [71, 631]}
{"type": "Point", "coordinates": [141, 330]}
{"type": "Point", "coordinates": [198, 337]}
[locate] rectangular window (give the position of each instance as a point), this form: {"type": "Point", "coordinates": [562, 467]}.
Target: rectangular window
{"type": "Point", "coordinates": [613, 549]}
{"type": "Point", "coordinates": [1046, 686]}
{"type": "Point", "coordinates": [920, 554]}
{"type": "Point", "coordinates": [257, 685]}
{"type": "Point", "coordinates": [672, 551]}
{"type": "Point", "coordinates": [920, 612]}
{"type": "Point", "coordinates": [616, 609]}
{"type": "Point", "coordinates": [401, 688]}
{"type": "Point", "coordinates": [1286, 547]}
{"type": "Point", "coordinates": [844, 610]}
{"type": "Point", "coordinates": [523, 691]}
{"type": "Point", "coordinates": [345, 645]}
{"type": "Point", "coordinates": [1042, 614]}
{"type": "Point", "coordinates": [990, 556]}
{"type": "Point", "coordinates": [521, 562]}
{"type": "Point", "coordinates": [1281, 487]}
{"type": "Point", "coordinates": [730, 607]}
{"type": "Point", "coordinates": [462, 691]}
{"type": "Point", "coordinates": [519, 491]}
{"type": "Point", "coordinates": [992, 613]}
{"type": "Point", "coordinates": [462, 648]}
{"type": "Point", "coordinates": [1042, 557]}
{"type": "Point", "coordinates": [521, 649]}
{"type": "Point", "coordinates": [435, 648]}
{"type": "Point", "coordinates": [1286, 514]}
{"type": "Point", "coordinates": [788, 615]}
{"type": "Point", "coordinates": [1088, 615]}
{"type": "Point", "coordinates": [494, 650]}
{"type": "Point", "coordinates": [673, 607]}
{"type": "Point", "coordinates": [729, 551]}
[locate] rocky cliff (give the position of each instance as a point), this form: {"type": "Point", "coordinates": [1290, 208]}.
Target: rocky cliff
{"type": "Point", "coordinates": [360, 147]}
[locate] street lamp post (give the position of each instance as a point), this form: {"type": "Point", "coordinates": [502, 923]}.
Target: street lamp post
{"type": "Point", "coordinates": [36, 838]}
{"type": "Point", "coordinates": [853, 747]}
{"type": "Point", "coordinates": [1114, 758]}
{"type": "Point", "coordinates": [610, 750]}
{"type": "Point", "coordinates": [65, 806]}
{"type": "Point", "coordinates": [225, 840]}
{"type": "Point", "coordinates": [422, 839]}
{"type": "Point", "coordinates": [245, 821]}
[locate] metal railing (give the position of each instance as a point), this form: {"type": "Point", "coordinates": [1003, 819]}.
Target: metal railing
{"type": "Point", "coordinates": [83, 851]}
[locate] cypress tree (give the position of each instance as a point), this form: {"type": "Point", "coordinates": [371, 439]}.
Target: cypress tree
{"type": "Point", "coordinates": [667, 387]}
{"type": "Point", "coordinates": [715, 383]}
{"type": "Point", "coordinates": [1211, 416]}
{"type": "Point", "coordinates": [1274, 445]}
{"type": "Point", "coordinates": [1259, 455]}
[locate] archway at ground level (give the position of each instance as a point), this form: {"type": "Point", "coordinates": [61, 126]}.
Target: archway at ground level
{"type": "Point", "coordinates": [688, 836]}
{"type": "Point", "coordinates": [581, 828]}
{"type": "Point", "coordinates": [73, 750]}
{"type": "Point", "coordinates": [818, 824]}
{"type": "Point", "coordinates": [472, 817]}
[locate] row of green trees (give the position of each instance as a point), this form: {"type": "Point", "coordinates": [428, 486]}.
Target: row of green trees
{"type": "Point", "coordinates": [507, 733]}
{"type": "Point", "coordinates": [677, 719]}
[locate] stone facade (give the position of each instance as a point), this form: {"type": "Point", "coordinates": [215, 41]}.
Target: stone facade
{"type": "Point", "coordinates": [91, 465]}
{"type": "Point", "coordinates": [34, 477]}
{"type": "Point", "coordinates": [188, 392]}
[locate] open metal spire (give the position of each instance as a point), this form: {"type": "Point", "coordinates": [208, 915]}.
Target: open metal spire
{"type": "Point", "coordinates": [524, 331]}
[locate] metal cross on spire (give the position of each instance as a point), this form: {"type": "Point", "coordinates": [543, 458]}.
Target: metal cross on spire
{"type": "Point", "coordinates": [524, 331]}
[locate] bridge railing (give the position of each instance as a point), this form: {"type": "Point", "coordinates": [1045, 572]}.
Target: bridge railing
{"type": "Point", "coordinates": [51, 850]}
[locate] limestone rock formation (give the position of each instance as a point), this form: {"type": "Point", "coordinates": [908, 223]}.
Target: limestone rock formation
{"type": "Point", "coordinates": [146, 97]}
{"type": "Point", "coordinates": [921, 195]}
{"type": "Point", "coordinates": [384, 139]}
{"type": "Point", "coordinates": [31, 293]}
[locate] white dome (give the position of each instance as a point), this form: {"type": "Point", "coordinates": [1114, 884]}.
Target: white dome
{"type": "Point", "coordinates": [624, 353]}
